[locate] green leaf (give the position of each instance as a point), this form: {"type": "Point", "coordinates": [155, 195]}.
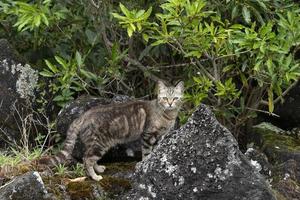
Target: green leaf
{"type": "Point", "coordinates": [235, 12]}
{"type": "Point", "coordinates": [147, 14]}
{"type": "Point", "coordinates": [257, 65]}
{"type": "Point", "coordinates": [125, 10]}
{"type": "Point", "coordinates": [52, 67]}
{"type": "Point", "coordinates": [129, 31]}
{"type": "Point", "coordinates": [37, 20]}
{"type": "Point", "coordinates": [59, 98]}
{"type": "Point", "coordinates": [46, 73]}
{"type": "Point", "coordinates": [145, 37]}
{"type": "Point", "coordinates": [91, 36]}
{"type": "Point", "coordinates": [246, 14]}
{"type": "Point", "coordinates": [158, 42]}
{"type": "Point", "coordinates": [237, 26]}
{"type": "Point", "coordinates": [270, 100]}
{"type": "Point", "coordinates": [78, 59]}
{"type": "Point", "coordinates": [45, 19]}
{"type": "Point", "coordinates": [88, 74]}
{"type": "Point", "coordinates": [116, 15]}
{"type": "Point", "coordinates": [139, 13]}
{"type": "Point", "coordinates": [270, 65]}
{"type": "Point", "coordinates": [61, 62]}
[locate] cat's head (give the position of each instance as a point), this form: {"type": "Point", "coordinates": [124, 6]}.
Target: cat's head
{"type": "Point", "coordinates": [170, 98]}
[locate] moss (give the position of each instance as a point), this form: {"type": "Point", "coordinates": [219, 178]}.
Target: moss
{"type": "Point", "coordinates": [281, 141]}
{"type": "Point", "coordinates": [79, 190]}
{"type": "Point", "coordinates": [113, 185]}
{"type": "Point", "coordinates": [270, 136]}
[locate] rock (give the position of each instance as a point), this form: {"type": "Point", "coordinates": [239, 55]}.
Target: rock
{"type": "Point", "coordinates": [201, 160]}
{"type": "Point", "coordinates": [286, 179]}
{"type": "Point", "coordinates": [26, 187]}
{"type": "Point", "coordinates": [17, 83]}
{"type": "Point", "coordinates": [260, 161]}
{"type": "Point", "coordinates": [277, 146]}
{"type": "Point", "coordinates": [125, 152]}
{"type": "Point", "coordinates": [283, 152]}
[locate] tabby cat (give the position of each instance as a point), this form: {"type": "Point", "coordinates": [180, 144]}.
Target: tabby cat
{"type": "Point", "coordinates": [103, 127]}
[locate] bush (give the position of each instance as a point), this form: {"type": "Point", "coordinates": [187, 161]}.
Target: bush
{"type": "Point", "coordinates": [238, 64]}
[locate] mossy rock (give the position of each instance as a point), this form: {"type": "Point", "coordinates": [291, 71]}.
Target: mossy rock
{"type": "Point", "coordinates": [277, 146]}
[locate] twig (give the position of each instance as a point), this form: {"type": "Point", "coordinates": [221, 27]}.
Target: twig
{"type": "Point", "coordinates": [175, 65]}
{"type": "Point", "coordinates": [263, 111]}
{"type": "Point", "coordinates": [229, 55]}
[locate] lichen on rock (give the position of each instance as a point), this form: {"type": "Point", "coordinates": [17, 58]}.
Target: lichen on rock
{"type": "Point", "coordinates": [27, 77]}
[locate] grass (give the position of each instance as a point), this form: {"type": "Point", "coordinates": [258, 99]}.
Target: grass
{"type": "Point", "coordinates": [15, 156]}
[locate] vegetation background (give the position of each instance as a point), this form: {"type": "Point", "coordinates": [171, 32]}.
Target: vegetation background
{"type": "Point", "coordinates": [241, 57]}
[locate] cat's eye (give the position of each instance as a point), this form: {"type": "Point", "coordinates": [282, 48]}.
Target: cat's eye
{"type": "Point", "coordinates": [165, 98]}
{"type": "Point", "coordinates": [175, 98]}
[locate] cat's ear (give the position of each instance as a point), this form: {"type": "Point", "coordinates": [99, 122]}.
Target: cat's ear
{"type": "Point", "coordinates": [161, 87]}
{"type": "Point", "coordinates": [180, 87]}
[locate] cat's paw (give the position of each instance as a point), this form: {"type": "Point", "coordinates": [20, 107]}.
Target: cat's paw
{"type": "Point", "coordinates": [99, 168]}
{"type": "Point", "coordinates": [97, 177]}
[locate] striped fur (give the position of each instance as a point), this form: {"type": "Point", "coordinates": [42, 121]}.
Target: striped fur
{"type": "Point", "coordinates": [103, 127]}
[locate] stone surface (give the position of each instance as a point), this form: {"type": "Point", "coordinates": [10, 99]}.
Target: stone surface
{"type": "Point", "coordinates": [286, 179]}
{"type": "Point", "coordinates": [17, 82]}
{"type": "Point", "coordinates": [26, 187]}
{"type": "Point", "coordinates": [278, 147]}
{"type": "Point", "coordinates": [283, 151]}
{"type": "Point", "coordinates": [124, 152]}
{"type": "Point", "coordinates": [201, 160]}
{"type": "Point", "coordinates": [260, 161]}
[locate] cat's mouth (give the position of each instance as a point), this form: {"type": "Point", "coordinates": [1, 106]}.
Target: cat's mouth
{"type": "Point", "coordinates": [170, 107]}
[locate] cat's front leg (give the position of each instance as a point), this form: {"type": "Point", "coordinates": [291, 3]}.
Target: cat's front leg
{"type": "Point", "coordinates": [148, 142]}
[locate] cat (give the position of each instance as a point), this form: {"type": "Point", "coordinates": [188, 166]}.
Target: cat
{"type": "Point", "coordinates": [103, 127]}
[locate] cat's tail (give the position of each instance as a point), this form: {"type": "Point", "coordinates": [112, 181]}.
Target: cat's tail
{"type": "Point", "coordinates": [65, 155]}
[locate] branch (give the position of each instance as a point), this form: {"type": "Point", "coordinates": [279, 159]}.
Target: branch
{"type": "Point", "coordinates": [234, 54]}
{"type": "Point", "coordinates": [141, 67]}
{"type": "Point", "coordinates": [265, 103]}
{"type": "Point", "coordinates": [175, 65]}
{"type": "Point", "coordinates": [214, 64]}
